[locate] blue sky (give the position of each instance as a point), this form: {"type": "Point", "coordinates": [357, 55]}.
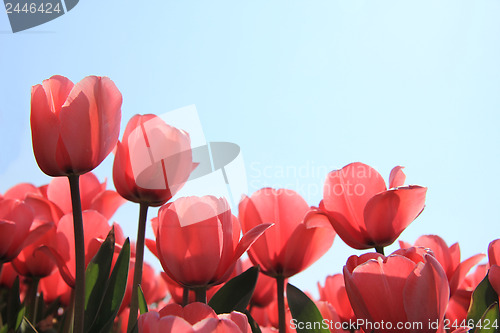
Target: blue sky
{"type": "Point", "coordinates": [303, 85]}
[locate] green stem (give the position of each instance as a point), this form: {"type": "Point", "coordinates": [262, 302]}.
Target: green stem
{"type": "Point", "coordinates": [139, 257]}
{"type": "Point", "coordinates": [68, 314]}
{"type": "Point", "coordinates": [200, 294]}
{"type": "Point", "coordinates": [185, 296]}
{"type": "Point", "coordinates": [280, 284]}
{"type": "Point", "coordinates": [79, 309]}
{"type": "Point", "coordinates": [380, 249]}
{"type": "Point", "coordinates": [31, 301]}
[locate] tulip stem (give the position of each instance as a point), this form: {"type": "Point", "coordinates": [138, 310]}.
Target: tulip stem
{"type": "Point", "coordinates": [200, 294]}
{"type": "Point", "coordinates": [280, 284]}
{"type": "Point", "coordinates": [139, 257]}
{"type": "Point", "coordinates": [380, 249]}
{"type": "Point", "coordinates": [79, 309]}
{"type": "Point", "coordinates": [31, 301]}
{"type": "Point", "coordinates": [185, 296]}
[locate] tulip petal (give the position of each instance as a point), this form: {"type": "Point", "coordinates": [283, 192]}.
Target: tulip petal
{"type": "Point", "coordinates": [57, 89]}
{"type": "Point", "coordinates": [7, 229]}
{"type": "Point", "coordinates": [441, 252]}
{"type": "Point", "coordinates": [397, 177]}
{"type": "Point", "coordinates": [381, 286]}
{"type": "Point", "coordinates": [45, 128]}
{"type": "Point", "coordinates": [463, 268]}
{"type": "Point", "coordinates": [20, 191]}
{"type": "Point", "coordinates": [249, 218]}
{"type": "Point", "coordinates": [61, 264]}
{"type": "Point", "coordinates": [389, 213]}
{"type": "Point", "coordinates": [107, 203]}
{"type": "Point", "coordinates": [494, 278]}
{"type": "Point", "coordinates": [347, 191]}
{"type": "Point", "coordinates": [426, 294]}
{"type": "Point", "coordinates": [494, 252]}
{"type": "Point", "coordinates": [309, 242]}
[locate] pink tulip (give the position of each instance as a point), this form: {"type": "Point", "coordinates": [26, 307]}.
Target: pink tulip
{"type": "Point", "coordinates": [448, 257]}
{"type": "Point", "coordinates": [152, 162]}
{"type": "Point", "coordinates": [198, 240]}
{"type": "Point", "coordinates": [194, 317]}
{"type": "Point", "coordinates": [300, 236]}
{"type": "Point", "coordinates": [363, 211]}
{"type": "Point", "coordinates": [16, 218]}
{"type": "Point", "coordinates": [334, 293]}
{"type": "Point", "coordinates": [93, 195]}
{"type": "Point", "coordinates": [74, 127]}
{"type": "Point", "coordinates": [398, 292]}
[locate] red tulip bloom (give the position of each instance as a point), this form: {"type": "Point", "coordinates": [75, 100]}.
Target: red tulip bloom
{"type": "Point", "coordinates": [16, 219]}
{"type": "Point", "coordinates": [265, 289]}
{"type": "Point", "coordinates": [74, 127]}
{"type": "Point", "coordinates": [194, 317]}
{"type": "Point", "coordinates": [300, 236]}
{"type": "Point", "coordinates": [363, 211]}
{"type": "Point", "coordinates": [334, 293]}
{"type": "Point", "coordinates": [459, 303]}
{"type": "Point", "coordinates": [63, 253]}
{"type": "Point", "coordinates": [152, 162]}
{"type": "Point", "coordinates": [197, 240]}
{"type": "Point", "coordinates": [398, 292]}
{"type": "Point", "coordinates": [93, 195]}
{"type": "Point", "coordinates": [448, 257]}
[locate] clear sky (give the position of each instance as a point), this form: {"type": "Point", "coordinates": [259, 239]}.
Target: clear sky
{"type": "Point", "coordinates": [304, 87]}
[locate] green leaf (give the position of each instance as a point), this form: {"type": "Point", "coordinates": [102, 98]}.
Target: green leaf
{"type": "Point", "coordinates": [115, 290]}
{"type": "Point", "coordinates": [490, 320]}
{"type": "Point", "coordinates": [306, 315]}
{"type": "Point", "coordinates": [27, 327]}
{"type": "Point", "coordinates": [4, 329]}
{"type": "Point", "coordinates": [15, 311]}
{"type": "Point", "coordinates": [96, 276]}
{"type": "Point", "coordinates": [236, 293]}
{"type": "Point", "coordinates": [482, 298]}
{"type": "Point", "coordinates": [143, 305]}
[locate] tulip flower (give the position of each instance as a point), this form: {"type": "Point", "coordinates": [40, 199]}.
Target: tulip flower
{"type": "Point", "coordinates": [448, 257]}
{"type": "Point", "coordinates": [301, 235]}
{"type": "Point", "coordinates": [459, 303]}
{"type": "Point", "coordinates": [74, 127]}
{"type": "Point", "coordinates": [152, 162]}
{"type": "Point", "coordinates": [198, 243]}
{"type": "Point", "coordinates": [16, 218]}
{"type": "Point", "coordinates": [334, 293]}
{"type": "Point", "coordinates": [403, 295]}
{"type": "Point", "coordinates": [265, 289]}
{"type": "Point", "coordinates": [93, 195]}
{"type": "Point", "coordinates": [194, 317]}
{"type": "Point", "coordinates": [364, 212]}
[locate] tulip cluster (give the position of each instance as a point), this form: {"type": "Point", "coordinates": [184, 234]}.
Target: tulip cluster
{"type": "Point", "coordinates": [65, 267]}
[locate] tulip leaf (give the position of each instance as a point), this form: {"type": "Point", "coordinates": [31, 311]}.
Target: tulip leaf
{"type": "Point", "coordinates": [306, 315]}
{"type": "Point", "coordinates": [96, 276]}
{"type": "Point", "coordinates": [15, 310]}
{"type": "Point", "coordinates": [482, 298]}
{"type": "Point", "coordinates": [27, 327]}
{"type": "Point", "coordinates": [490, 320]}
{"type": "Point", "coordinates": [143, 305]}
{"type": "Point", "coordinates": [236, 293]}
{"type": "Point", "coordinates": [114, 292]}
